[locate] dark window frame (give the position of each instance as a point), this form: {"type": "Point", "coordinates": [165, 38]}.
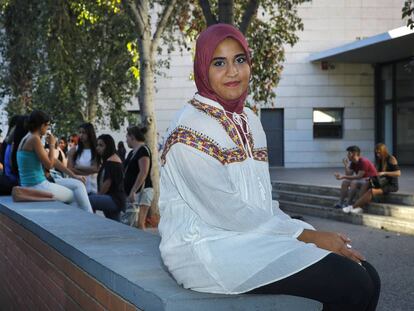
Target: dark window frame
{"type": "Point", "coordinates": [336, 129]}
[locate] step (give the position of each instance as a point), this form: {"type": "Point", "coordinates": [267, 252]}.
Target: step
{"type": "Point", "coordinates": [393, 198]}
{"type": "Point", "coordinates": [393, 210]}
{"type": "Point", "coordinates": [306, 198]}
{"type": "Point", "coordinates": [375, 221]}
{"type": "Point", "coordinates": [311, 189]}
{"type": "Point", "coordinates": [383, 209]}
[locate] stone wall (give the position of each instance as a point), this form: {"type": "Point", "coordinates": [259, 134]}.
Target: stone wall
{"type": "Point", "coordinates": [34, 276]}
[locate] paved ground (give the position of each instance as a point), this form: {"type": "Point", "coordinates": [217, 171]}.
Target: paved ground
{"type": "Point", "coordinates": [391, 253]}
{"type": "Point", "coordinates": [324, 176]}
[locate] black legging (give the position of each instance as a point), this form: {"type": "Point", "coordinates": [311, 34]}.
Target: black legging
{"type": "Point", "coordinates": [6, 185]}
{"type": "Point", "coordinates": [338, 282]}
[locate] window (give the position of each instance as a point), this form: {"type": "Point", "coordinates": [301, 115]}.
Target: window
{"type": "Point", "coordinates": [327, 122]}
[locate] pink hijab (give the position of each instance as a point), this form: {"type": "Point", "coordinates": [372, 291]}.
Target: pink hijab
{"type": "Point", "coordinates": [206, 44]}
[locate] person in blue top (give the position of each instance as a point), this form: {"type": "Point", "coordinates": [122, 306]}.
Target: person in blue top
{"type": "Point", "coordinates": [15, 134]}
{"type": "Point", "coordinates": [32, 159]}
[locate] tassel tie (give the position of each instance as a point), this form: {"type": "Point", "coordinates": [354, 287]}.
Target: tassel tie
{"type": "Point", "coordinates": [243, 129]}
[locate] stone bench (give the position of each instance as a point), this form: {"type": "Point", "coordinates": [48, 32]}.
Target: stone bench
{"type": "Point", "coordinates": [55, 255]}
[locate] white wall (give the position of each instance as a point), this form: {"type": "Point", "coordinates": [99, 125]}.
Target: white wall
{"type": "Point", "coordinates": [304, 86]}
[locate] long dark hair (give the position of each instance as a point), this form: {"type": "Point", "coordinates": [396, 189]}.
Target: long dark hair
{"type": "Point", "coordinates": [9, 137]}
{"type": "Point", "coordinates": [36, 119]}
{"type": "Point", "coordinates": [90, 132]}
{"type": "Point", "coordinates": [110, 148]}
{"type": "Point", "coordinates": [20, 131]}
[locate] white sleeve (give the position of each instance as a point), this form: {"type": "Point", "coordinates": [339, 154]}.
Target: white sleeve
{"type": "Point", "coordinates": [204, 184]}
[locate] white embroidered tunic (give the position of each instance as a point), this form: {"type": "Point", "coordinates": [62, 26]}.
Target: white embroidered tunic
{"type": "Point", "coordinates": [220, 232]}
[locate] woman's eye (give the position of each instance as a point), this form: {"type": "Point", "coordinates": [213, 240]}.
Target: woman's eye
{"type": "Point", "coordinates": [218, 63]}
{"type": "Point", "coordinates": [241, 59]}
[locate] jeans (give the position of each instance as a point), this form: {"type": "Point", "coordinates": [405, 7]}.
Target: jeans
{"type": "Point", "coordinates": [67, 190]}
{"type": "Point", "coordinates": [104, 203]}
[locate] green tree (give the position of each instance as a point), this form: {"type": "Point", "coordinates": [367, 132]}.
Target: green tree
{"type": "Point", "coordinates": [20, 48]}
{"type": "Point", "coordinates": [408, 12]}
{"type": "Point", "coordinates": [80, 58]}
{"type": "Point", "coordinates": [150, 36]}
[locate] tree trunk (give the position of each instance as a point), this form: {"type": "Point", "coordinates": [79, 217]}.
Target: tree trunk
{"type": "Point", "coordinates": [147, 110]}
{"type": "Point", "coordinates": [226, 11]}
{"type": "Point", "coordinates": [92, 102]}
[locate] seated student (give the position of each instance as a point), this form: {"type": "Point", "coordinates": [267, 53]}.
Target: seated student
{"type": "Point", "coordinates": [15, 134]}
{"type": "Point", "coordinates": [82, 158]}
{"type": "Point", "coordinates": [221, 232]}
{"type": "Point", "coordinates": [357, 171]}
{"type": "Point", "coordinates": [387, 167]}
{"type": "Point", "coordinates": [111, 196]}
{"type": "Point", "coordinates": [32, 159]}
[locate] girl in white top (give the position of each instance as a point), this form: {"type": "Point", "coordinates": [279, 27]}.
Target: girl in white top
{"type": "Point", "coordinates": [220, 231]}
{"type": "Point", "coordinates": [82, 159]}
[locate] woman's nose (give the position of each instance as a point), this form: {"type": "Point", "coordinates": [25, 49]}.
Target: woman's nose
{"type": "Point", "coordinates": [232, 70]}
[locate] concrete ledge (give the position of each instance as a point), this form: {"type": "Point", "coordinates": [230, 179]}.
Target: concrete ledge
{"type": "Point", "coordinates": [127, 261]}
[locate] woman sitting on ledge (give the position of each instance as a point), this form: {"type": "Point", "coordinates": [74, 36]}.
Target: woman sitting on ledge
{"type": "Point", "coordinates": [220, 232]}
{"type": "Point", "coordinates": [32, 157]}
{"type": "Point", "coordinates": [386, 181]}
{"type": "Point", "coordinates": [111, 195]}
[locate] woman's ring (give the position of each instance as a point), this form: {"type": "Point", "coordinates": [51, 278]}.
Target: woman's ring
{"type": "Point", "coordinates": [348, 245]}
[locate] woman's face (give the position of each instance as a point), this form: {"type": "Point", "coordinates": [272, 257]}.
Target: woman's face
{"type": "Point", "coordinates": [83, 136]}
{"type": "Point", "coordinates": [62, 144]}
{"type": "Point", "coordinates": [129, 140]}
{"type": "Point", "coordinates": [229, 71]}
{"type": "Point", "coordinates": [100, 147]}
{"type": "Point", "coordinates": [43, 128]}
{"type": "Point", "coordinates": [378, 153]}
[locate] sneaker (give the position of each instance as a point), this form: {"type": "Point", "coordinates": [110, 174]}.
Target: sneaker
{"type": "Point", "coordinates": [339, 205]}
{"type": "Point", "coordinates": [347, 209]}
{"type": "Point", "coordinates": [357, 210]}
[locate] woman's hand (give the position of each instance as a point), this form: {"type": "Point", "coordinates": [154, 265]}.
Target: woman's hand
{"type": "Point", "coordinates": [335, 242]}
{"type": "Point", "coordinates": [338, 176]}
{"type": "Point", "coordinates": [51, 139]}
{"type": "Point", "coordinates": [131, 198]}
{"type": "Point", "coordinates": [381, 174]}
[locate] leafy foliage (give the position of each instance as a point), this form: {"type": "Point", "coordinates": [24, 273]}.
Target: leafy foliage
{"type": "Point", "coordinates": [75, 59]}
{"type": "Point", "coordinates": [408, 12]}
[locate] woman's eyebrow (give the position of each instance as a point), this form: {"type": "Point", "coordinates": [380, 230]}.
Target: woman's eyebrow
{"type": "Point", "coordinates": [218, 58]}
{"type": "Point", "coordinates": [224, 58]}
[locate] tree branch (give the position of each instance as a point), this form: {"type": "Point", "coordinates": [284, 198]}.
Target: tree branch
{"type": "Point", "coordinates": [162, 23]}
{"type": "Point", "coordinates": [248, 14]}
{"type": "Point", "coordinates": [208, 15]}
{"type": "Point", "coordinates": [135, 13]}
{"type": "Point", "coordinates": [226, 11]}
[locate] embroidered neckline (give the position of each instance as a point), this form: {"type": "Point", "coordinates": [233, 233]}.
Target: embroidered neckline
{"type": "Point", "coordinates": [221, 116]}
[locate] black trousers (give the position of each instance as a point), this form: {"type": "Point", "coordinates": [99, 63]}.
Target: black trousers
{"type": "Point", "coordinates": [6, 185]}
{"type": "Point", "coordinates": [338, 282]}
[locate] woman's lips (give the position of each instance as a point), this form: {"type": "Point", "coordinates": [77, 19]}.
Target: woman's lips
{"type": "Point", "coordinates": [232, 83]}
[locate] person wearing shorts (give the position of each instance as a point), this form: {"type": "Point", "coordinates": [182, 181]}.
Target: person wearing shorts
{"type": "Point", "coordinates": [137, 167]}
